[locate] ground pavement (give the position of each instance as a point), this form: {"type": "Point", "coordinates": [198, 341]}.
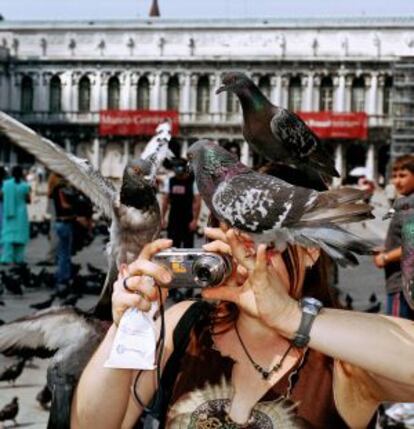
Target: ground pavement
{"type": "Point", "coordinates": [359, 282]}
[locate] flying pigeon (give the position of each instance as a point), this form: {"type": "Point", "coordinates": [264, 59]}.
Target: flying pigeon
{"type": "Point", "coordinates": [69, 336]}
{"type": "Point", "coordinates": [133, 210]}
{"type": "Point", "coordinates": [280, 136]}
{"type": "Point", "coordinates": [276, 212]}
{"type": "Point", "coordinates": [404, 209]}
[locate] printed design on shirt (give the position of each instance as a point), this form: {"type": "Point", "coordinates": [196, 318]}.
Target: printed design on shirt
{"type": "Point", "coordinates": [207, 408]}
{"type": "Point", "coordinates": [178, 190]}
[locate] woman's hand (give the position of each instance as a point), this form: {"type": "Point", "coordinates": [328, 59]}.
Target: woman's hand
{"type": "Point", "coordinates": [140, 278]}
{"type": "Point", "coordinates": [259, 287]}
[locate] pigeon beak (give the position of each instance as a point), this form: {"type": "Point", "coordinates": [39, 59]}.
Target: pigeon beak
{"type": "Point", "coordinates": [221, 89]}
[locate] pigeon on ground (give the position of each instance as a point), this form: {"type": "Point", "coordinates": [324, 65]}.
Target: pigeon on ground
{"type": "Point", "coordinates": [133, 210]}
{"type": "Point", "coordinates": [44, 304]}
{"type": "Point", "coordinates": [349, 302]}
{"type": "Point", "coordinates": [276, 212]}
{"type": "Point", "coordinates": [375, 305]}
{"type": "Point", "coordinates": [12, 372]}
{"type": "Point", "coordinates": [44, 397]}
{"type": "Point", "coordinates": [71, 300]}
{"type": "Point", "coordinates": [403, 211]}
{"type": "Point", "coordinates": [280, 136]}
{"type": "Point", "coordinates": [10, 411]}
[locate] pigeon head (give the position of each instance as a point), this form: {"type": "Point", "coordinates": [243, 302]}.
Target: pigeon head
{"type": "Point", "coordinates": [138, 168]}
{"type": "Point", "coordinates": [234, 82]}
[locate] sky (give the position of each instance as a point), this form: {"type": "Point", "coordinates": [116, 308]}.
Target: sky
{"type": "Point", "coordinates": [130, 9]}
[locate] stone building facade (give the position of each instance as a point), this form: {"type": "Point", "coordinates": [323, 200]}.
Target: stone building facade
{"type": "Point", "coordinates": [57, 76]}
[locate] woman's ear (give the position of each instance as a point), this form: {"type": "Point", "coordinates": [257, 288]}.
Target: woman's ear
{"type": "Point", "coordinates": [311, 256]}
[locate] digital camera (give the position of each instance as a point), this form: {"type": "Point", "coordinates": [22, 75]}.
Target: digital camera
{"type": "Point", "coordinates": [194, 267]}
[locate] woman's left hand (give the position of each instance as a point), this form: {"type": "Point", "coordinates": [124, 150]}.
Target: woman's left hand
{"type": "Point", "coordinates": [258, 287]}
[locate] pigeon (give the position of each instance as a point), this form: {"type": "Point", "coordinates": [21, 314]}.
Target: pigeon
{"type": "Point", "coordinates": [403, 209]}
{"type": "Point", "coordinates": [375, 305]}
{"type": "Point", "coordinates": [69, 337]}
{"type": "Point", "coordinates": [133, 210]}
{"type": "Point", "coordinates": [44, 304]}
{"type": "Point", "coordinates": [280, 136]}
{"type": "Point", "coordinates": [9, 411]}
{"type": "Point", "coordinates": [275, 212]}
{"type": "Point", "coordinates": [71, 300]}
{"type": "Point", "coordinates": [12, 372]}
{"type": "Point", "coordinates": [44, 397]}
{"type": "Point", "coordinates": [349, 302]}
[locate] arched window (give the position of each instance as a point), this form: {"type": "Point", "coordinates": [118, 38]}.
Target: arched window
{"type": "Point", "coordinates": [26, 100]}
{"type": "Point", "coordinates": [113, 93]}
{"type": "Point", "coordinates": [84, 95]}
{"type": "Point", "coordinates": [203, 95]}
{"type": "Point", "coordinates": [358, 94]}
{"type": "Point", "coordinates": [295, 94]}
{"type": "Point", "coordinates": [326, 94]}
{"type": "Point", "coordinates": [386, 100]}
{"type": "Point", "coordinates": [173, 94]}
{"type": "Point", "coordinates": [233, 104]}
{"type": "Point", "coordinates": [143, 93]}
{"type": "Point", "coordinates": [55, 95]}
{"type": "Point", "coordinates": [264, 85]}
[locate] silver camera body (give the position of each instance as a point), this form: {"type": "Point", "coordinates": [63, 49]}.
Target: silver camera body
{"type": "Point", "coordinates": [194, 267]}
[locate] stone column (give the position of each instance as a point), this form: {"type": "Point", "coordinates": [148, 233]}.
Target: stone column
{"type": "Point", "coordinates": [37, 92]}
{"type": "Point", "coordinates": [68, 145]}
{"type": "Point", "coordinates": [125, 89]}
{"type": "Point", "coordinates": [134, 78]}
{"type": "Point", "coordinates": [371, 105]}
{"type": "Point", "coordinates": [215, 83]}
{"type": "Point", "coordinates": [74, 92]}
{"type": "Point", "coordinates": [15, 95]}
{"type": "Point", "coordinates": [316, 93]}
{"type": "Point", "coordinates": [4, 96]}
{"type": "Point", "coordinates": [96, 92]}
{"type": "Point", "coordinates": [307, 100]}
{"type": "Point", "coordinates": [371, 162]}
{"type": "Point", "coordinates": [339, 164]}
{"type": "Point", "coordinates": [96, 155]}
{"type": "Point", "coordinates": [164, 90]}
{"type": "Point", "coordinates": [348, 90]}
{"type": "Point", "coordinates": [185, 83]}
{"type": "Point", "coordinates": [184, 148]}
{"type": "Point", "coordinates": [125, 155]}
{"type": "Point", "coordinates": [276, 90]}
{"type": "Point", "coordinates": [155, 87]}
{"type": "Point", "coordinates": [380, 96]}
{"type": "Point", "coordinates": [193, 95]}
{"type": "Point", "coordinates": [66, 82]}
{"type": "Point", "coordinates": [284, 91]}
{"type": "Point", "coordinates": [245, 154]}
{"type": "Point", "coordinates": [339, 93]}
{"type": "Point", "coordinates": [44, 91]}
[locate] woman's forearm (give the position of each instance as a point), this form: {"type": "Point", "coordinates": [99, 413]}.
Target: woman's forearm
{"type": "Point", "coordinates": [102, 394]}
{"type": "Point", "coordinates": [376, 343]}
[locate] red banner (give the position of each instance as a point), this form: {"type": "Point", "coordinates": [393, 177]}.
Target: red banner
{"type": "Point", "coordinates": [135, 122]}
{"type": "Point", "coordinates": [333, 125]}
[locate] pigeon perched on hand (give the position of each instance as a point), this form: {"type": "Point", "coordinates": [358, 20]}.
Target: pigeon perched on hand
{"type": "Point", "coordinates": [280, 136]}
{"type": "Point", "coordinates": [274, 211]}
{"type": "Point", "coordinates": [133, 210]}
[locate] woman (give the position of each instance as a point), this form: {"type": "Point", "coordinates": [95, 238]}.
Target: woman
{"type": "Point", "coordinates": [239, 368]}
{"type": "Point", "coordinates": [15, 227]}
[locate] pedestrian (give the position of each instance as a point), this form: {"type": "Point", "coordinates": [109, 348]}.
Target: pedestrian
{"type": "Point", "coordinates": [263, 354]}
{"type": "Point", "coordinates": [389, 259]}
{"type": "Point", "coordinates": [62, 196]}
{"type": "Point", "coordinates": [3, 175]}
{"type": "Point", "coordinates": [182, 202]}
{"type": "Point", "coordinates": [15, 232]}
{"type": "Point", "coordinates": [51, 256]}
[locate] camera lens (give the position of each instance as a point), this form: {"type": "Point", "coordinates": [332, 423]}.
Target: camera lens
{"type": "Point", "coordinates": [211, 269]}
{"type": "Point", "coordinates": [204, 274]}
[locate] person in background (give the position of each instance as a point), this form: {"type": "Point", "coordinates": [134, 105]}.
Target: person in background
{"type": "Point", "coordinates": [52, 181]}
{"type": "Point", "coordinates": [3, 175]}
{"type": "Point", "coordinates": [182, 202]}
{"type": "Point", "coordinates": [15, 232]}
{"type": "Point", "coordinates": [389, 259]}
{"type": "Point", "coordinates": [62, 196]}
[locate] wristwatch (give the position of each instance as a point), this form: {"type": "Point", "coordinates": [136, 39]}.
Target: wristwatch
{"type": "Point", "coordinates": [310, 309]}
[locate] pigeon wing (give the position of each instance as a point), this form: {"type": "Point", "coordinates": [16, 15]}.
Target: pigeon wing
{"type": "Point", "coordinates": [299, 140]}
{"type": "Point", "coordinates": [44, 332]}
{"type": "Point", "coordinates": [256, 202]}
{"type": "Point", "coordinates": [77, 171]}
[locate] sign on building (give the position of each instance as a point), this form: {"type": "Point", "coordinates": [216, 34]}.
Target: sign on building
{"type": "Point", "coordinates": [135, 122]}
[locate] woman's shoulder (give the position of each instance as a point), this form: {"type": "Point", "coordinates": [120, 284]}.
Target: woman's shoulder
{"type": "Point", "coordinates": [176, 312]}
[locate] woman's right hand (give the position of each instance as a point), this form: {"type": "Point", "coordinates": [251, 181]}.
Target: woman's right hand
{"type": "Point", "coordinates": [141, 277]}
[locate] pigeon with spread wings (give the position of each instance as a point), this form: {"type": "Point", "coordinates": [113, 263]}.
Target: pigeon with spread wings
{"type": "Point", "coordinates": [274, 211]}
{"type": "Point", "coordinates": [133, 210]}
{"type": "Point", "coordinates": [280, 136]}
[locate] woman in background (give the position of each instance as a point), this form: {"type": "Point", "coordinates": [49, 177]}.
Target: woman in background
{"type": "Point", "coordinates": [15, 225]}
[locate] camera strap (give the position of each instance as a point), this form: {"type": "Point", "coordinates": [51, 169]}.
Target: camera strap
{"type": "Point", "coordinates": [181, 338]}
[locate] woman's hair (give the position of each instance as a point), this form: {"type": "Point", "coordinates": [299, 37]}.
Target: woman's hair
{"type": "Point", "coordinates": [17, 173]}
{"type": "Point", "coordinates": [317, 284]}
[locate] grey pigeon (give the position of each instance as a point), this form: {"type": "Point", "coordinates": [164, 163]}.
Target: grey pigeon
{"type": "Point", "coordinates": [280, 136]}
{"type": "Point", "coordinates": [133, 210]}
{"type": "Point", "coordinates": [69, 336]}
{"type": "Point", "coordinates": [274, 211]}
{"type": "Point", "coordinates": [12, 372]}
{"type": "Point", "coordinates": [10, 411]}
{"type": "Point", "coordinates": [403, 212]}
